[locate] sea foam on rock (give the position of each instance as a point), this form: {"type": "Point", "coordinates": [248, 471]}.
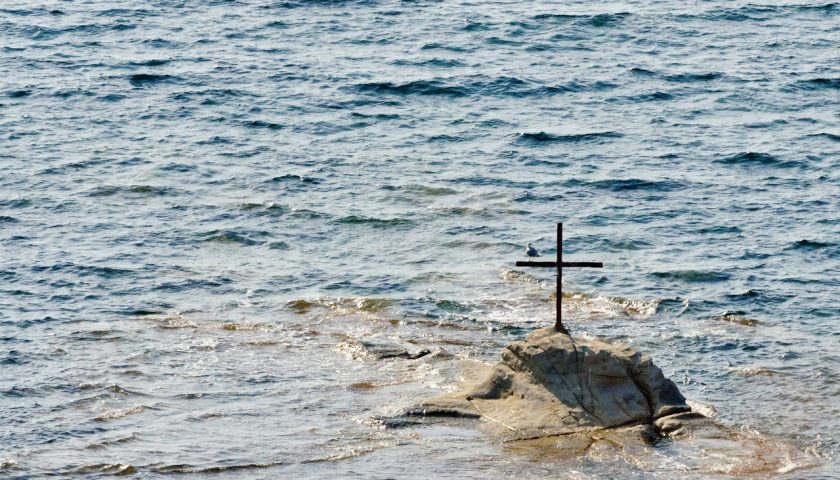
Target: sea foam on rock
{"type": "Point", "coordinates": [552, 384]}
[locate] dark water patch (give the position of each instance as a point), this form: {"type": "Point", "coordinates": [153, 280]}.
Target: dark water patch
{"type": "Point", "coordinates": [211, 96]}
{"type": "Point", "coordinates": [374, 222]}
{"type": "Point", "coordinates": [112, 97]}
{"type": "Point", "coordinates": [607, 19]}
{"type": "Point", "coordinates": [540, 138]}
{"type": "Point", "coordinates": [103, 272]}
{"type": "Point", "coordinates": [16, 203]}
{"type": "Point", "coordinates": [599, 20]}
{"type": "Point", "coordinates": [5, 219]}
{"type": "Point", "coordinates": [80, 270]}
{"type": "Point", "coordinates": [755, 158]}
{"type": "Point", "coordinates": [38, 33]}
{"type": "Point", "coordinates": [498, 41]}
{"type": "Point", "coordinates": [18, 93]}
{"type": "Point", "coordinates": [528, 197]}
{"type": "Point", "coordinates": [480, 180]}
{"type": "Point", "coordinates": [98, 28]}
{"type": "Point", "coordinates": [575, 87]}
{"type": "Point", "coordinates": [143, 190]}
{"type": "Point", "coordinates": [376, 116]}
{"type": "Point", "coordinates": [418, 87]}
{"type": "Point", "coordinates": [278, 246]}
{"type": "Point", "coordinates": [429, 191]}
{"type": "Point", "coordinates": [692, 276]}
{"type": "Point", "coordinates": [431, 62]}
{"type": "Point", "coordinates": [718, 229]}
{"type": "Point", "coordinates": [829, 136]}
{"type": "Point", "coordinates": [441, 46]}
{"type": "Point", "coordinates": [263, 209]}
{"type": "Point", "coordinates": [816, 84]}
{"type": "Point", "coordinates": [193, 284]}
{"type": "Point", "coordinates": [470, 26]}
{"type": "Point", "coordinates": [630, 184]}
{"type": "Point", "coordinates": [810, 245]}
{"type": "Point", "coordinates": [445, 139]}
{"type": "Point", "coordinates": [155, 62]}
{"type": "Point", "coordinates": [625, 244]}
{"type": "Point", "coordinates": [764, 125]}
{"type": "Point", "coordinates": [653, 97]}
{"type": "Point", "coordinates": [262, 124]}
{"type": "Point", "coordinates": [229, 237]}
{"type": "Point", "coordinates": [642, 72]}
{"type": "Point", "coordinates": [124, 12]}
{"type": "Point", "coordinates": [692, 77]}
{"type": "Point", "coordinates": [756, 296]}
{"type": "Point", "coordinates": [162, 43]}
{"type": "Point", "coordinates": [754, 13]}
{"type": "Point", "coordinates": [293, 179]}
{"type": "Point", "coordinates": [150, 79]}
{"type": "Point", "coordinates": [178, 168]}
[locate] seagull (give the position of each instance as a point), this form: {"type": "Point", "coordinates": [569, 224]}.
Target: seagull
{"type": "Point", "coordinates": [531, 251]}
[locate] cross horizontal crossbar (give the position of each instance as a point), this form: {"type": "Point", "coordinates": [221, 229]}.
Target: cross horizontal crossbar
{"type": "Point", "coordinates": [562, 264]}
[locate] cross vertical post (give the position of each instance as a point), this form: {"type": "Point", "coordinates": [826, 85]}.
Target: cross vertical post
{"type": "Point", "coordinates": [559, 264]}
{"type": "Point", "coordinates": [558, 323]}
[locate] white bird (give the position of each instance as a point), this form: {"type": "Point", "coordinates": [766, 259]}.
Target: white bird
{"type": "Point", "coordinates": [531, 251]}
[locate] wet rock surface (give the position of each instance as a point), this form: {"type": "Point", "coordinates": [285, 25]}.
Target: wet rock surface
{"type": "Point", "coordinates": [553, 384]}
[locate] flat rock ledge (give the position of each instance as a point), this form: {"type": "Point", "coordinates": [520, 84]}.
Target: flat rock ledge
{"type": "Point", "coordinates": [552, 384]}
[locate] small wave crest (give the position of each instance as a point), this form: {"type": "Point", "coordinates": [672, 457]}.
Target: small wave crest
{"type": "Point", "coordinates": [116, 413]}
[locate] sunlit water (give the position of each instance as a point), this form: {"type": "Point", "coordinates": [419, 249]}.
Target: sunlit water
{"type": "Point", "coordinates": [204, 205]}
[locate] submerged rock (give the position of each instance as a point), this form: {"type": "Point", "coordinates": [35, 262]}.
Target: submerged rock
{"type": "Point", "coordinates": [381, 348]}
{"type": "Point", "coordinates": [552, 384]}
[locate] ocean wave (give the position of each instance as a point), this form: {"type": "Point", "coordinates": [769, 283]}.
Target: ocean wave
{"type": "Point", "coordinates": [830, 136]}
{"type": "Point", "coordinates": [18, 93]}
{"type": "Point", "coordinates": [692, 77]}
{"type": "Point", "coordinates": [375, 222]}
{"type": "Point", "coordinates": [597, 20]}
{"type": "Point", "coordinates": [821, 83]}
{"type": "Point", "coordinates": [757, 158]}
{"type": "Point", "coordinates": [698, 276]}
{"type": "Point", "coordinates": [537, 138]}
{"type": "Point", "coordinates": [105, 468]}
{"type": "Point", "coordinates": [810, 245]}
{"type": "Point", "coordinates": [630, 184]}
{"type": "Point", "coordinates": [149, 79]}
{"type": "Point", "coordinates": [117, 413]}
{"type": "Point", "coordinates": [186, 468]}
{"type": "Point", "coordinates": [145, 190]}
{"type": "Point", "coordinates": [417, 87]}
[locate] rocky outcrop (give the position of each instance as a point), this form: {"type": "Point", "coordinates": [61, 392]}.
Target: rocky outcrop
{"type": "Point", "coordinates": [553, 384]}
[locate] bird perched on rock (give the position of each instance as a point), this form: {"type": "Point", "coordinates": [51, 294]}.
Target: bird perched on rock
{"type": "Point", "coordinates": [531, 251]}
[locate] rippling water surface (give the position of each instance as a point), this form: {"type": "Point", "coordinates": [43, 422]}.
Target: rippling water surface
{"type": "Point", "coordinates": [205, 205]}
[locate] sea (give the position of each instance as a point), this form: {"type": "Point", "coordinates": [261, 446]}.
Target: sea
{"type": "Point", "coordinates": [208, 206]}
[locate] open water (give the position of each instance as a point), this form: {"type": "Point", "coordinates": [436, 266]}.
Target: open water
{"type": "Point", "coordinates": [205, 205]}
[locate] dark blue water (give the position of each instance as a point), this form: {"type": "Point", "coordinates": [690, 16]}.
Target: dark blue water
{"type": "Point", "coordinates": [204, 205]}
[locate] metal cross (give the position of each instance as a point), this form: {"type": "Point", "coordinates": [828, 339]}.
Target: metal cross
{"type": "Point", "coordinates": [559, 264]}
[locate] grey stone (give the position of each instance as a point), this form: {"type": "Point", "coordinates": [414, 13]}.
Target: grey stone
{"type": "Point", "coordinates": [551, 384]}
{"type": "Point", "coordinates": [382, 348]}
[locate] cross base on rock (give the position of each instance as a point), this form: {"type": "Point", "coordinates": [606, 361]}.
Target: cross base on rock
{"type": "Point", "coordinates": [560, 264]}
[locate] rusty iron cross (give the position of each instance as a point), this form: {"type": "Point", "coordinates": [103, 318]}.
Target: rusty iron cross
{"type": "Point", "coordinates": [560, 264]}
